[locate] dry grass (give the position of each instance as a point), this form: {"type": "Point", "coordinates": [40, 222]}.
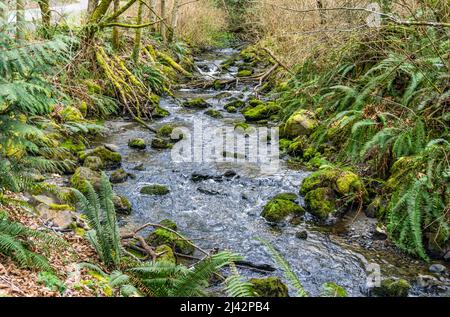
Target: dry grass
{"type": "Point", "coordinates": [295, 36]}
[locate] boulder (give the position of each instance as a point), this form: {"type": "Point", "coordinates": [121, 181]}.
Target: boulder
{"type": "Point", "coordinates": [301, 122]}
{"type": "Point", "coordinates": [137, 143]}
{"type": "Point", "coordinates": [234, 105]}
{"type": "Point", "coordinates": [118, 176]}
{"type": "Point", "coordinates": [197, 103]}
{"type": "Point", "coordinates": [213, 113]}
{"type": "Point", "coordinates": [167, 254]}
{"type": "Point", "coordinates": [302, 235]}
{"type": "Point", "coordinates": [94, 163]}
{"type": "Point", "coordinates": [122, 205]}
{"type": "Point", "coordinates": [261, 112]}
{"type": "Point", "coordinates": [280, 206]}
{"type": "Point", "coordinates": [437, 268]}
{"type": "Point", "coordinates": [155, 190]}
{"type": "Point", "coordinates": [60, 216]}
{"type": "Point", "coordinates": [321, 202]}
{"type": "Point", "coordinates": [109, 158]}
{"type": "Point", "coordinates": [83, 175]}
{"type": "Point", "coordinates": [71, 114]}
{"type": "Point", "coordinates": [162, 236]}
{"type": "Point", "coordinates": [166, 130]}
{"type": "Point", "coordinates": [392, 288]}
{"type": "Point", "coordinates": [160, 144]}
{"type": "Point", "coordinates": [269, 287]}
{"type": "Point", "coordinates": [159, 112]}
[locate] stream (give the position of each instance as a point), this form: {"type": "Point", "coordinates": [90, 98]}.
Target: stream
{"type": "Point", "coordinates": [224, 211]}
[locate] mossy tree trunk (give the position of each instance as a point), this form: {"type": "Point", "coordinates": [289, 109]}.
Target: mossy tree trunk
{"type": "Point", "coordinates": [174, 19]}
{"type": "Point", "coordinates": [92, 4]}
{"type": "Point", "coordinates": [20, 19]}
{"type": "Point", "coordinates": [115, 31]}
{"type": "Point", "coordinates": [162, 25]}
{"type": "Point", "coordinates": [46, 14]}
{"type": "Point", "coordinates": [138, 35]}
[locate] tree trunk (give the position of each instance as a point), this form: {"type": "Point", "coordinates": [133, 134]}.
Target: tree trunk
{"type": "Point", "coordinates": [174, 19]}
{"type": "Point", "coordinates": [115, 31]}
{"type": "Point", "coordinates": [92, 4]}
{"type": "Point", "coordinates": [4, 11]}
{"type": "Point", "coordinates": [20, 19]}
{"type": "Point", "coordinates": [321, 12]}
{"type": "Point", "coordinates": [137, 36]}
{"type": "Point", "coordinates": [46, 14]}
{"type": "Point", "coordinates": [162, 25]}
{"type": "Point", "coordinates": [152, 14]}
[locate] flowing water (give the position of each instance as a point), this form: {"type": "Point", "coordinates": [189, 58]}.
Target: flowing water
{"type": "Point", "coordinates": [224, 212]}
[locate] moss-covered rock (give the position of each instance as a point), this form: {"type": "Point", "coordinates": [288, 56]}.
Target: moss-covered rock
{"type": "Point", "coordinates": [122, 205]}
{"type": "Point", "coordinates": [348, 183]}
{"type": "Point", "coordinates": [302, 122]}
{"type": "Point", "coordinates": [244, 73]}
{"type": "Point", "coordinates": [71, 114]}
{"type": "Point", "coordinates": [166, 130]}
{"type": "Point", "coordinates": [167, 254]}
{"type": "Point", "coordinates": [325, 177]}
{"type": "Point", "coordinates": [73, 146]}
{"type": "Point", "coordinates": [280, 207]}
{"type": "Point", "coordinates": [118, 176]}
{"type": "Point", "coordinates": [160, 144]}
{"type": "Point", "coordinates": [392, 288]}
{"type": "Point", "coordinates": [297, 146]}
{"type": "Point", "coordinates": [83, 175]}
{"type": "Point", "coordinates": [137, 143]}
{"type": "Point", "coordinates": [159, 112]}
{"type": "Point", "coordinates": [269, 287]}
{"type": "Point", "coordinates": [197, 103]}
{"type": "Point", "coordinates": [261, 112]}
{"type": "Point", "coordinates": [154, 190]}
{"type": "Point", "coordinates": [234, 105]}
{"type": "Point", "coordinates": [321, 202]}
{"type": "Point", "coordinates": [162, 236]}
{"type": "Point", "coordinates": [94, 163]}
{"type": "Point", "coordinates": [109, 158]}
{"type": "Point", "coordinates": [213, 113]}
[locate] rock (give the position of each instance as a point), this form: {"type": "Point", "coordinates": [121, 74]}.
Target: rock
{"type": "Point", "coordinates": [118, 176]}
{"type": "Point", "coordinates": [297, 146]}
{"type": "Point", "coordinates": [425, 281]}
{"type": "Point", "coordinates": [165, 130]}
{"type": "Point", "coordinates": [229, 174]}
{"type": "Point", "coordinates": [437, 268]}
{"type": "Point", "coordinates": [109, 158]}
{"type": "Point", "coordinates": [61, 216]}
{"type": "Point", "coordinates": [447, 256]}
{"type": "Point", "coordinates": [379, 233]}
{"type": "Point", "coordinates": [71, 114]}
{"type": "Point", "coordinates": [122, 205]}
{"type": "Point", "coordinates": [321, 202]}
{"type": "Point", "coordinates": [260, 112]}
{"type": "Point", "coordinates": [83, 175]}
{"type": "Point", "coordinates": [392, 288]}
{"type": "Point", "coordinates": [197, 177]}
{"type": "Point", "coordinates": [198, 103]}
{"type": "Point", "coordinates": [160, 144]}
{"type": "Point", "coordinates": [162, 236]}
{"type": "Point", "coordinates": [349, 183]}
{"type": "Point", "coordinates": [43, 199]}
{"type": "Point", "coordinates": [302, 122]}
{"type": "Point", "coordinates": [155, 190]}
{"type": "Point", "coordinates": [159, 112]}
{"type": "Point", "coordinates": [269, 287]}
{"type": "Point", "coordinates": [279, 207]}
{"type": "Point", "coordinates": [376, 207]}
{"type": "Point", "coordinates": [233, 106]}
{"type": "Point", "coordinates": [139, 167]}
{"type": "Point", "coordinates": [137, 143]}
{"type": "Point", "coordinates": [111, 147]}
{"type": "Point", "coordinates": [242, 126]}
{"type": "Point", "coordinates": [213, 113]}
{"type": "Point", "coordinates": [302, 235]}
{"type": "Point", "coordinates": [208, 191]}
{"type": "Point", "coordinates": [167, 254]}
{"type": "Point", "coordinates": [94, 163]}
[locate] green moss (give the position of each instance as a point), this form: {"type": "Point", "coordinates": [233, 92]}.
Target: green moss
{"type": "Point", "coordinates": [60, 207]}
{"type": "Point", "coordinates": [162, 236]}
{"type": "Point", "coordinates": [122, 205]}
{"type": "Point", "coordinates": [349, 182]}
{"type": "Point", "coordinates": [197, 103]}
{"type": "Point", "coordinates": [83, 175]}
{"type": "Point", "coordinates": [317, 162]}
{"type": "Point", "coordinates": [296, 147]}
{"type": "Point", "coordinates": [159, 112]}
{"type": "Point", "coordinates": [392, 288]}
{"type": "Point", "coordinates": [331, 289]}
{"type": "Point", "coordinates": [261, 112]}
{"type": "Point", "coordinates": [109, 158]}
{"type": "Point", "coordinates": [167, 254]}
{"type": "Point", "coordinates": [233, 106]}
{"type": "Point", "coordinates": [309, 153]}
{"type": "Point", "coordinates": [242, 126]}
{"type": "Point", "coordinates": [158, 143]}
{"type": "Point", "coordinates": [321, 202]}
{"type": "Point", "coordinates": [269, 287]}
{"type": "Point", "coordinates": [169, 224]}
{"type": "Point", "coordinates": [244, 73]}
{"type": "Point", "coordinates": [166, 130]}
{"type": "Point", "coordinates": [302, 122]}
{"type": "Point", "coordinates": [213, 113]}
{"type": "Point", "coordinates": [281, 206]}
{"type": "Point", "coordinates": [72, 146]}
{"type": "Point", "coordinates": [155, 190]}
{"type": "Point", "coordinates": [118, 176]}
{"type": "Point", "coordinates": [71, 114]}
{"type": "Point", "coordinates": [137, 143]}
{"type": "Point", "coordinates": [284, 144]}
{"type": "Point", "coordinates": [94, 163]}
{"type": "Point", "coordinates": [325, 177]}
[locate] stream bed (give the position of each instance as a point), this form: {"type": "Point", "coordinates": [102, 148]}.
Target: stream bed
{"type": "Point", "coordinates": [223, 212]}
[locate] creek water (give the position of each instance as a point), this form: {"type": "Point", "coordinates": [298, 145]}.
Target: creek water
{"type": "Point", "coordinates": [224, 212]}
